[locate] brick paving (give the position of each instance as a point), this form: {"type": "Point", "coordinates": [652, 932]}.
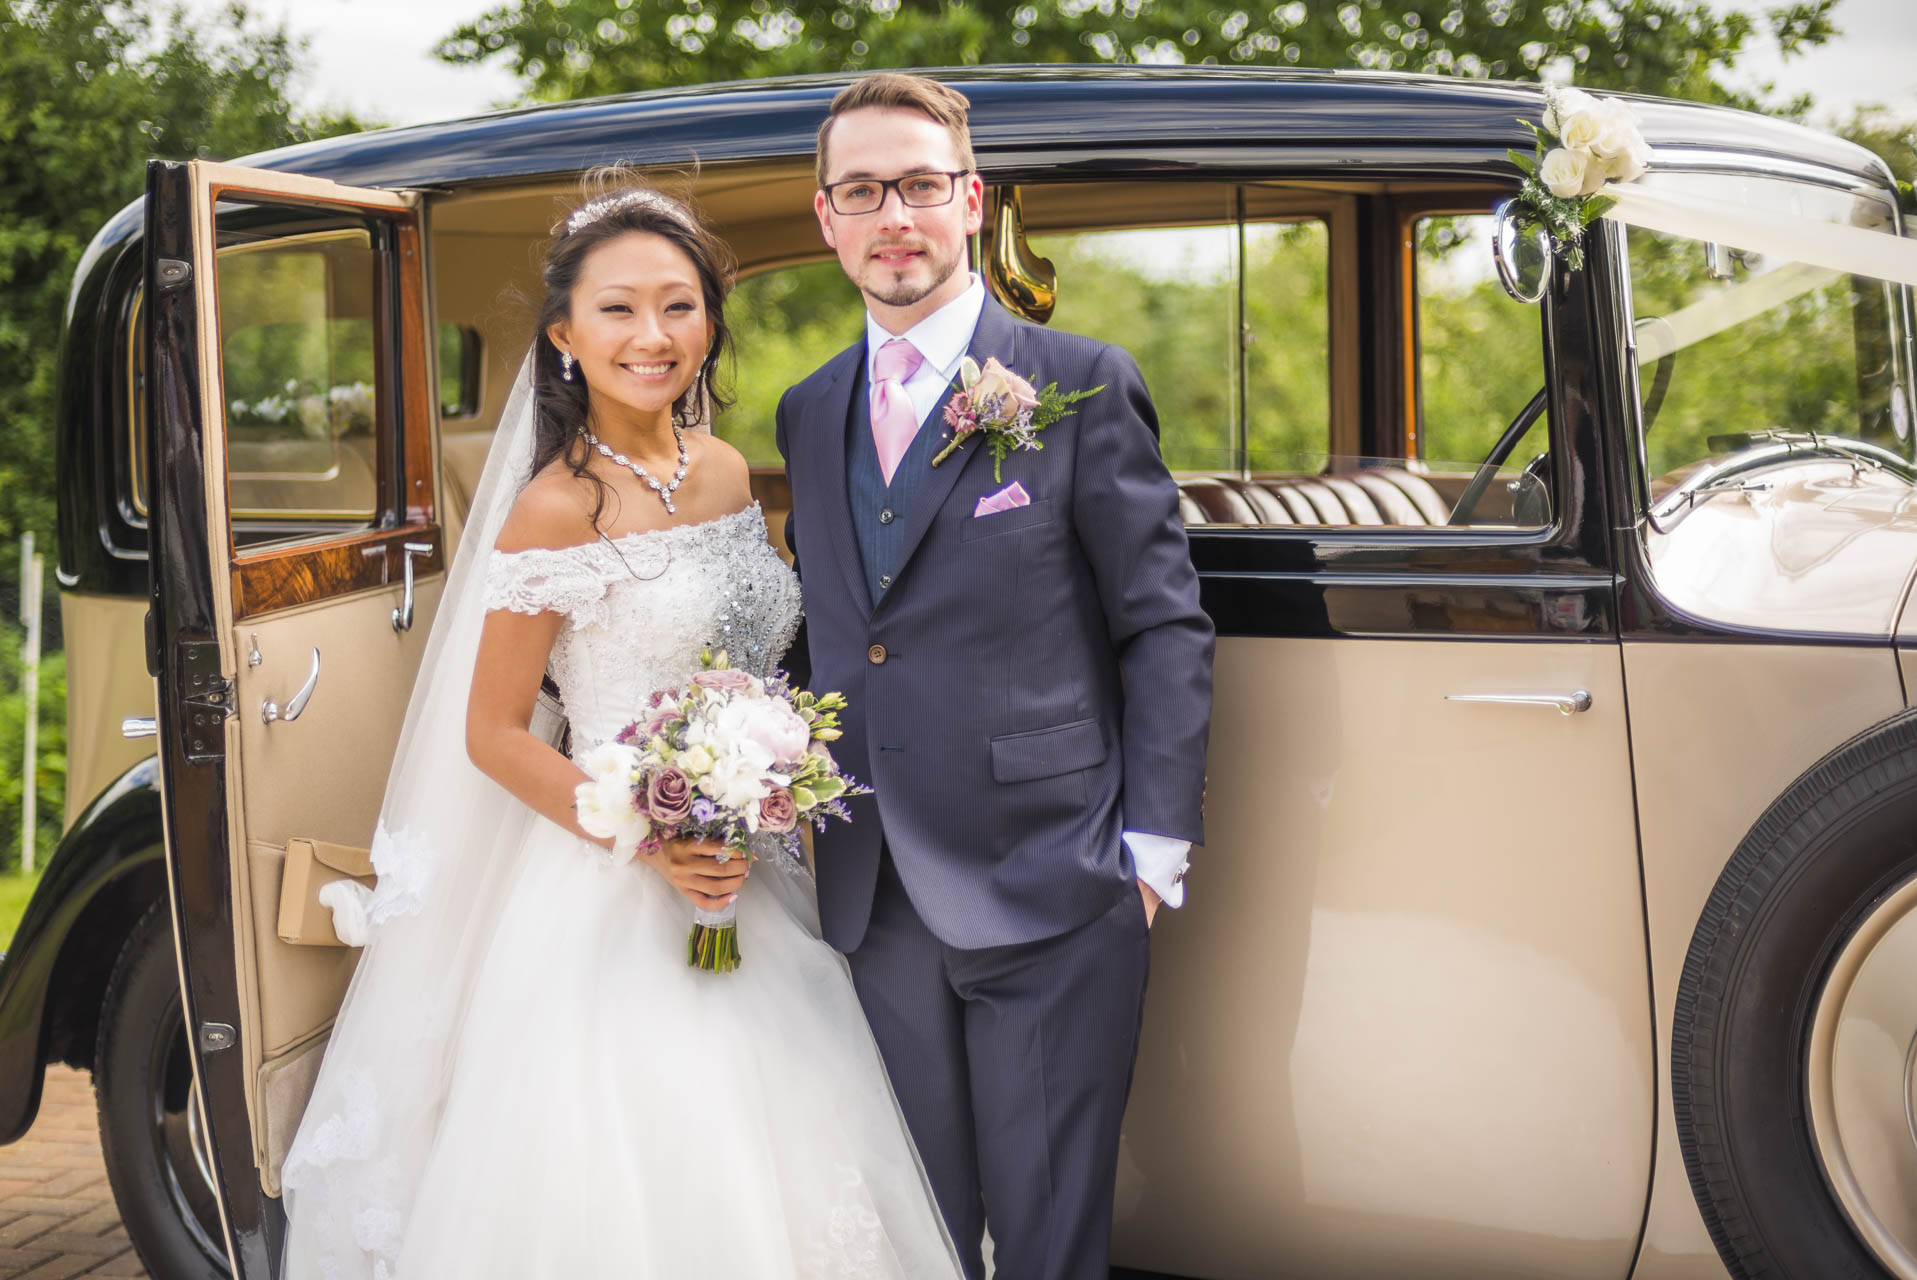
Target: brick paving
{"type": "Point", "coordinates": [57, 1218]}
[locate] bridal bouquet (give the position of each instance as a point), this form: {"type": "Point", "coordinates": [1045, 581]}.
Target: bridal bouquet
{"type": "Point", "coordinates": [731, 758]}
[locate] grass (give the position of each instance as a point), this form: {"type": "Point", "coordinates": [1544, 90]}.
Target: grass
{"type": "Point", "coordinates": [15, 889]}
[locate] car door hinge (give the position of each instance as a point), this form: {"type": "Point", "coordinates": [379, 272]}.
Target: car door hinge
{"type": "Point", "coordinates": [208, 699]}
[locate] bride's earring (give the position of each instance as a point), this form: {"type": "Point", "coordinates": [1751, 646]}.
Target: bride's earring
{"type": "Point", "coordinates": [565, 365]}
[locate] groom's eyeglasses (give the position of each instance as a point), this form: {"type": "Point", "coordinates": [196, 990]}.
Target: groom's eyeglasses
{"type": "Point", "coordinates": [916, 191]}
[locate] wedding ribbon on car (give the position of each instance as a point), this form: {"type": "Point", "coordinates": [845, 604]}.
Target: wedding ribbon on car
{"type": "Point", "coordinates": [1834, 246]}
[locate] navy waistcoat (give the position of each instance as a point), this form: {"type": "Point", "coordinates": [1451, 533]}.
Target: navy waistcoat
{"type": "Point", "coordinates": [880, 512]}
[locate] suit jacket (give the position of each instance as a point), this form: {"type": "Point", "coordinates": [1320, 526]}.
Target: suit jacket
{"type": "Point", "coordinates": [1034, 682]}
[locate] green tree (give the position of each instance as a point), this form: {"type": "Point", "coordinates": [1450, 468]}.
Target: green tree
{"type": "Point", "coordinates": [581, 48]}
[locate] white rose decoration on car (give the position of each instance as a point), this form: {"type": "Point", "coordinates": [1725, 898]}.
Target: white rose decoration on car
{"type": "Point", "coordinates": [1583, 143]}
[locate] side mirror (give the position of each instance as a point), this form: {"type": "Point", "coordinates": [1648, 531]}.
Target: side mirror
{"type": "Point", "coordinates": [1522, 251]}
{"type": "Point", "coordinates": [1023, 281]}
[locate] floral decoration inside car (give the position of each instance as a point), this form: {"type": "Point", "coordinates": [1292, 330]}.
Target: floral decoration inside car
{"type": "Point", "coordinates": [1584, 143]}
{"type": "Point", "coordinates": [345, 409]}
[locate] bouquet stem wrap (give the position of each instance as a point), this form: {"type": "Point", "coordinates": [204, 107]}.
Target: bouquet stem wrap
{"type": "Point", "coordinates": [713, 944]}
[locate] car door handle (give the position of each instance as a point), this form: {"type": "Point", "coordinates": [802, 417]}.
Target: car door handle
{"type": "Point", "coordinates": [270, 710]}
{"type": "Point", "coordinates": [1568, 703]}
{"type": "Point", "coordinates": [139, 727]}
{"type": "Point", "coordinates": [403, 616]}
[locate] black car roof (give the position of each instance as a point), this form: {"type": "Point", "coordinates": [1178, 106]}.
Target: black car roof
{"type": "Point", "coordinates": [1034, 114]}
{"type": "Point", "coordinates": [1020, 108]}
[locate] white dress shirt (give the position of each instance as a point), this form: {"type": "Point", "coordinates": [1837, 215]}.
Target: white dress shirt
{"type": "Point", "coordinates": [942, 339]}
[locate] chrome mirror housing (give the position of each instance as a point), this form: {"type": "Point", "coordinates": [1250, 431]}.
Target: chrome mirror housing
{"type": "Point", "coordinates": [1523, 253]}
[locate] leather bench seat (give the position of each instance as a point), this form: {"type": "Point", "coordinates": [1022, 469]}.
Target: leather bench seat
{"type": "Point", "coordinates": [1375, 496]}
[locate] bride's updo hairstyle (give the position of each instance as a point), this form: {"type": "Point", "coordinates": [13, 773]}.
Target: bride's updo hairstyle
{"type": "Point", "coordinates": [617, 203]}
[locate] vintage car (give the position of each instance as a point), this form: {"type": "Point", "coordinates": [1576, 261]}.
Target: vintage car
{"type": "Point", "coordinates": [1558, 912]}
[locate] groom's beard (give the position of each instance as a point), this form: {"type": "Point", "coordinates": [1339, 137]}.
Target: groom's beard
{"type": "Point", "coordinates": [897, 287]}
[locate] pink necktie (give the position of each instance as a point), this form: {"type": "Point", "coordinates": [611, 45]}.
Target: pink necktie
{"type": "Point", "coordinates": [894, 422]}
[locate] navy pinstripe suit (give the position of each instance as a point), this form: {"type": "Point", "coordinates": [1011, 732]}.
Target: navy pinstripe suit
{"type": "Point", "coordinates": [1029, 684]}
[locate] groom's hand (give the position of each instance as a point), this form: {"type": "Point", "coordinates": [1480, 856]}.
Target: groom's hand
{"type": "Point", "coordinates": [693, 868]}
{"type": "Point", "coordinates": [1150, 895]}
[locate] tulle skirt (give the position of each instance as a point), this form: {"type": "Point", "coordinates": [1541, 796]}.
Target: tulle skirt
{"type": "Point", "coordinates": [613, 1112]}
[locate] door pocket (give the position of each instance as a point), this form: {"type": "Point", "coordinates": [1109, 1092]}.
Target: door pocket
{"type": "Point", "coordinates": [311, 865]}
{"type": "Point", "coordinates": [1046, 753]}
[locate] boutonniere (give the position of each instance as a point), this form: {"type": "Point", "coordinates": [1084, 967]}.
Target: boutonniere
{"type": "Point", "coordinates": [1001, 405]}
{"type": "Point", "coordinates": [1584, 143]}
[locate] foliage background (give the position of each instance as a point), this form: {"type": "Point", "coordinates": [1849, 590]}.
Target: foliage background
{"type": "Point", "coordinates": [95, 87]}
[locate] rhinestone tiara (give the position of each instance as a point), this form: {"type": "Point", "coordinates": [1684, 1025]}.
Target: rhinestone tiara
{"type": "Point", "coordinates": [593, 210]}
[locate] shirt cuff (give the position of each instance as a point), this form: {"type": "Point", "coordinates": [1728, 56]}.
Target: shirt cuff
{"type": "Point", "coordinates": [1161, 862]}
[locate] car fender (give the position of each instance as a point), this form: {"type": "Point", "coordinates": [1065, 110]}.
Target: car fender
{"type": "Point", "coordinates": [107, 869]}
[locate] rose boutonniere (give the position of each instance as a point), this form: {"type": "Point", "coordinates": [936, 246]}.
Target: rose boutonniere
{"type": "Point", "coordinates": [1584, 143]}
{"type": "Point", "coordinates": [998, 403]}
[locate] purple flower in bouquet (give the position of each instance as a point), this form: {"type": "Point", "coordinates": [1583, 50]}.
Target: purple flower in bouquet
{"type": "Point", "coordinates": [778, 812]}
{"type": "Point", "coordinates": [728, 679]}
{"type": "Point", "coordinates": [669, 797]}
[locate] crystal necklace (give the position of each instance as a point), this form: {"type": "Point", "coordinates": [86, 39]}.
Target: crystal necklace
{"type": "Point", "coordinates": [665, 491]}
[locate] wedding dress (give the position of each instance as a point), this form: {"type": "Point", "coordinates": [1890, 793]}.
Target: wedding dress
{"type": "Point", "coordinates": [536, 1084]}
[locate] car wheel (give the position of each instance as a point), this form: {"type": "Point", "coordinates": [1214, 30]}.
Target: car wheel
{"type": "Point", "coordinates": [1794, 1048]}
{"type": "Point", "coordinates": [149, 1111]}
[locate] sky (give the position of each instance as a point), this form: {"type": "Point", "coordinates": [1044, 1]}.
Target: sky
{"type": "Point", "coordinates": [375, 58]}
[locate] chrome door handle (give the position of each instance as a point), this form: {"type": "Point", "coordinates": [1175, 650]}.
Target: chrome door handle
{"type": "Point", "coordinates": [403, 616]}
{"type": "Point", "coordinates": [270, 710]}
{"type": "Point", "coordinates": [139, 727]}
{"type": "Point", "coordinates": [1568, 703]}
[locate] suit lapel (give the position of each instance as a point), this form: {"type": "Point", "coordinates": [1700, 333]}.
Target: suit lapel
{"type": "Point", "coordinates": [833, 409]}
{"type": "Point", "coordinates": [996, 335]}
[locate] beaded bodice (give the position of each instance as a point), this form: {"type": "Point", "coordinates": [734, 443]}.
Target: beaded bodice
{"type": "Point", "coordinates": [640, 608]}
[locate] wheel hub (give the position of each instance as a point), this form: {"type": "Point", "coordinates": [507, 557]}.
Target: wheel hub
{"type": "Point", "coordinates": [1861, 1080]}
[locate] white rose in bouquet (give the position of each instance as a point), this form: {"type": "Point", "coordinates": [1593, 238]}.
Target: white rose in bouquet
{"type": "Point", "coordinates": [604, 802]}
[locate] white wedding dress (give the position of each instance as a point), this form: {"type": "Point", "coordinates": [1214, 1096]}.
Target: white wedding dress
{"type": "Point", "coordinates": [553, 1092]}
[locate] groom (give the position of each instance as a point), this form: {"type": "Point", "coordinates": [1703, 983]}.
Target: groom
{"type": "Point", "coordinates": [1030, 684]}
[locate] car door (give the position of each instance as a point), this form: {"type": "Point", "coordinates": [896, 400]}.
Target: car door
{"type": "Point", "coordinates": [296, 561]}
{"type": "Point", "coordinates": [1401, 1026]}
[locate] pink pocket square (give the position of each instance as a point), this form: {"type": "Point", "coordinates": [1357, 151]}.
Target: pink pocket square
{"type": "Point", "coordinates": [1011, 496]}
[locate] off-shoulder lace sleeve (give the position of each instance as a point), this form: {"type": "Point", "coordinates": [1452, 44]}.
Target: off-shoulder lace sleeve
{"type": "Point", "coordinates": [563, 581]}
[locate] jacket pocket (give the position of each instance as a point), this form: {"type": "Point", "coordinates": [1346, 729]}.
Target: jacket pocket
{"type": "Point", "coordinates": [1046, 753]}
{"type": "Point", "coordinates": [1005, 521]}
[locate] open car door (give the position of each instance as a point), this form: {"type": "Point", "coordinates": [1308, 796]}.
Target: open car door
{"type": "Point", "coordinates": [296, 564]}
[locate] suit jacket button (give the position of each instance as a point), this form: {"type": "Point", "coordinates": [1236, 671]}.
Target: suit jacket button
{"type": "Point", "coordinates": [876, 654]}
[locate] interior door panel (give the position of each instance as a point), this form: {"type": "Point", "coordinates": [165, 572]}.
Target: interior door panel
{"type": "Point", "coordinates": [239, 611]}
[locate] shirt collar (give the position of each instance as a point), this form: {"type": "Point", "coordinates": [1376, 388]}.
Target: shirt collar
{"type": "Point", "coordinates": [941, 337]}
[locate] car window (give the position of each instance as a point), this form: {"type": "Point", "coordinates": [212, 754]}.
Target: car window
{"type": "Point", "coordinates": [785, 323]}
{"type": "Point", "coordinates": [297, 343]}
{"type": "Point", "coordinates": [1479, 351]}
{"type": "Point", "coordinates": [1734, 348]}
{"type": "Point", "coordinates": [1167, 295]}
{"type": "Point", "coordinates": [263, 413]}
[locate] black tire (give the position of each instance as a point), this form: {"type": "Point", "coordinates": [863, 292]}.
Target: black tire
{"type": "Point", "coordinates": [1838, 841]}
{"type": "Point", "coordinates": [142, 1079]}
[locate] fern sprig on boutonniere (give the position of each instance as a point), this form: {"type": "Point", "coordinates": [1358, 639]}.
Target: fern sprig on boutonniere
{"type": "Point", "coordinates": [1003, 406]}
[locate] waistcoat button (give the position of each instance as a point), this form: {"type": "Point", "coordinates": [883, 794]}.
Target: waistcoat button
{"type": "Point", "coordinates": [886, 516]}
{"type": "Point", "coordinates": [885, 580]}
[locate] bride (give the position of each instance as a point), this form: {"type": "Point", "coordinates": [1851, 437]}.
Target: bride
{"type": "Point", "coordinates": [526, 1079]}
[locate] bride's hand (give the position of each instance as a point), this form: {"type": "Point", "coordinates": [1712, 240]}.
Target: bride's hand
{"type": "Point", "coordinates": [693, 868]}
